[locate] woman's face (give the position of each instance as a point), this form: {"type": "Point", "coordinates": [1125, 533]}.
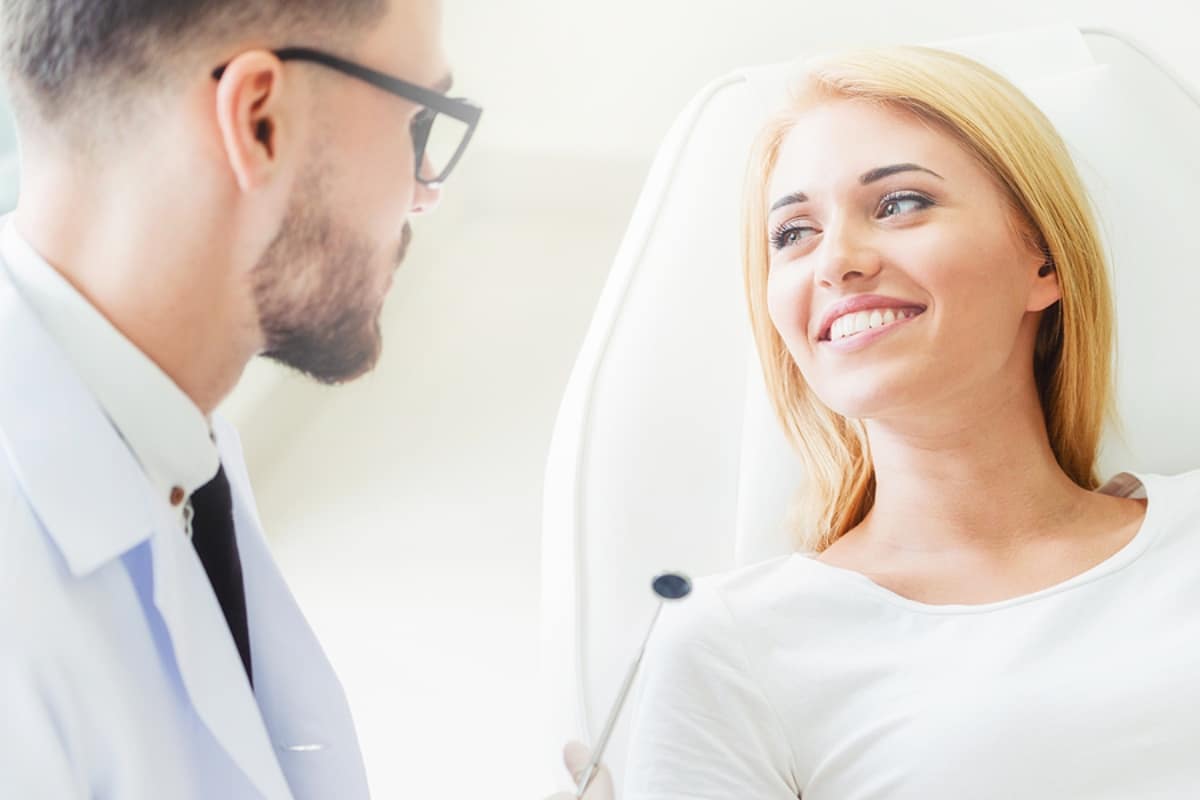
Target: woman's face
{"type": "Point", "coordinates": [898, 279]}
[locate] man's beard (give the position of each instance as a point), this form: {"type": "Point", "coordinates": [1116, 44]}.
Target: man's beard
{"type": "Point", "coordinates": [317, 292]}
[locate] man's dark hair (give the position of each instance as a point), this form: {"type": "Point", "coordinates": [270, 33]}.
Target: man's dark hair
{"type": "Point", "coordinates": [62, 53]}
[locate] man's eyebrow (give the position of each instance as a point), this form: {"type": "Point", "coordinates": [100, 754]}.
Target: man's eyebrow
{"type": "Point", "coordinates": [789, 199]}
{"type": "Point", "coordinates": [879, 173]}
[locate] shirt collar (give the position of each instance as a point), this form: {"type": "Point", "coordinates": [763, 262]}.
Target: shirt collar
{"type": "Point", "coordinates": [165, 430]}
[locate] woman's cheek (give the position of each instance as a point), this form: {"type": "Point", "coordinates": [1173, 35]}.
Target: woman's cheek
{"type": "Point", "coordinates": [784, 305]}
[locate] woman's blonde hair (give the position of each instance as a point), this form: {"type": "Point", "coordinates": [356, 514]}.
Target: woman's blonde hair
{"type": "Point", "coordinates": [1019, 147]}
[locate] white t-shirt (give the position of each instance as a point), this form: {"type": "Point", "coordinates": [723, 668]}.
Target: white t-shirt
{"type": "Point", "coordinates": [796, 677]}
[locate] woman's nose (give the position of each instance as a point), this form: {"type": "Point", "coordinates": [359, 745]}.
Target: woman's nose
{"type": "Point", "coordinates": [844, 256]}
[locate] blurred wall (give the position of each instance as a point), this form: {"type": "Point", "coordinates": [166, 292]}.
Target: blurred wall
{"type": "Point", "coordinates": [404, 508]}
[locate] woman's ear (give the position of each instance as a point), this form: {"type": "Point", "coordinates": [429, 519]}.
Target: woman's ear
{"type": "Point", "coordinates": [1045, 290]}
{"type": "Point", "coordinates": [249, 115]}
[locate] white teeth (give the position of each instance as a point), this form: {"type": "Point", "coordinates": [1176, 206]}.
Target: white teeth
{"type": "Point", "coordinates": [857, 322]}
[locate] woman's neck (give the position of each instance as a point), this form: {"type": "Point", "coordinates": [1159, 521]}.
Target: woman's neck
{"type": "Point", "coordinates": [983, 478]}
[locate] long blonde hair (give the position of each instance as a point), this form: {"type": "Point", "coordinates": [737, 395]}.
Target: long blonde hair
{"type": "Point", "coordinates": [1019, 147]}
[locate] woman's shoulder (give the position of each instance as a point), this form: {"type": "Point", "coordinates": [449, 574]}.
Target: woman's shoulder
{"type": "Point", "coordinates": [1135, 483]}
{"type": "Point", "coordinates": [754, 598]}
{"type": "Point", "coordinates": [1189, 481]}
{"type": "Point", "coordinates": [1170, 529]}
{"type": "Point", "coordinates": [718, 600]}
{"type": "Point", "coordinates": [718, 633]}
{"type": "Point", "coordinates": [765, 581]}
{"type": "Point", "coordinates": [1170, 496]}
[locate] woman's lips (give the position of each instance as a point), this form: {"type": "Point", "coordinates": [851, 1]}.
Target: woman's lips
{"type": "Point", "coordinates": [860, 340]}
{"type": "Point", "coordinates": [854, 304]}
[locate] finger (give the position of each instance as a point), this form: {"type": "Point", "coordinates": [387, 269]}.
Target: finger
{"type": "Point", "coordinates": [576, 756]}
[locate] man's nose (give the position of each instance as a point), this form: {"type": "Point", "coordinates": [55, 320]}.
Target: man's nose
{"type": "Point", "coordinates": [427, 195]}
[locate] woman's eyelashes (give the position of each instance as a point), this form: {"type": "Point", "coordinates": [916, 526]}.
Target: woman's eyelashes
{"type": "Point", "coordinates": [789, 233]}
{"type": "Point", "coordinates": [792, 232]}
{"type": "Point", "coordinates": [903, 203]}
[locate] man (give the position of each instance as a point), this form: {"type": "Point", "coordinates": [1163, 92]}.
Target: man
{"type": "Point", "coordinates": [203, 181]}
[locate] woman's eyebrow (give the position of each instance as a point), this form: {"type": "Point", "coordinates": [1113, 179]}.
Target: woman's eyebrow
{"type": "Point", "coordinates": [788, 199]}
{"type": "Point", "coordinates": [879, 173]}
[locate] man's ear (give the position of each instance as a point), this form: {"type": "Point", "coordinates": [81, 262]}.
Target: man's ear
{"type": "Point", "coordinates": [249, 106]}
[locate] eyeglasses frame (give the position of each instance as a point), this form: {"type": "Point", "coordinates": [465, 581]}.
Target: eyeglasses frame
{"type": "Point", "coordinates": [457, 107]}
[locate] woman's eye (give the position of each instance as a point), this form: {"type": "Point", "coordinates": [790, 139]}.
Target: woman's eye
{"type": "Point", "coordinates": [788, 235]}
{"type": "Point", "coordinates": [903, 204]}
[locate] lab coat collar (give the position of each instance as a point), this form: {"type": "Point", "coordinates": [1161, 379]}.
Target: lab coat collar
{"type": "Point", "coordinates": [96, 504]}
{"type": "Point", "coordinates": [165, 431]}
{"type": "Point", "coordinates": [82, 481]}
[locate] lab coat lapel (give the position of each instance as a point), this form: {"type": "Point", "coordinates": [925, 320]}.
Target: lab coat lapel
{"type": "Point", "coordinates": [75, 471]}
{"type": "Point", "coordinates": [301, 698]}
{"type": "Point", "coordinates": [207, 658]}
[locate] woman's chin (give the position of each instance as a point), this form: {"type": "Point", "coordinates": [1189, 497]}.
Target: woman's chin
{"type": "Point", "coordinates": [874, 401]}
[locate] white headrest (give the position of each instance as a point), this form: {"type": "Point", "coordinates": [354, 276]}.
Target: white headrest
{"type": "Point", "coordinates": [666, 453]}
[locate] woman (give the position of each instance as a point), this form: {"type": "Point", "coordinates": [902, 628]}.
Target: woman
{"type": "Point", "coordinates": [972, 617]}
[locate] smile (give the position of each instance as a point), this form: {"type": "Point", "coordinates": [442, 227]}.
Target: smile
{"type": "Point", "coordinates": [858, 322]}
{"type": "Point", "coordinates": [852, 333]}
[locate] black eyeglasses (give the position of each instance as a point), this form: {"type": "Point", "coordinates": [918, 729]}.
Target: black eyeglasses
{"type": "Point", "coordinates": [440, 130]}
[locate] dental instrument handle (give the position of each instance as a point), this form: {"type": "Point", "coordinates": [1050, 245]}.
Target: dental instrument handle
{"type": "Point", "coordinates": [593, 765]}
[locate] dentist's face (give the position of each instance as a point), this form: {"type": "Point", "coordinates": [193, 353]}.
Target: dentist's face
{"type": "Point", "coordinates": [321, 285]}
{"type": "Point", "coordinates": [899, 279]}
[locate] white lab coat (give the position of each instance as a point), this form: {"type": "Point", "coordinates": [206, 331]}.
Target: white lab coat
{"type": "Point", "coordinates": [118, 675]}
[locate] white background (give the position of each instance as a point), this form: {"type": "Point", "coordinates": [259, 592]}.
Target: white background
{"type": "Point", "coordinates": [405, 508]}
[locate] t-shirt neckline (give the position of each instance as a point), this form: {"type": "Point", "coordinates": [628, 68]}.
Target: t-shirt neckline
{"type": "Point", "coordinates": [1127, 554]}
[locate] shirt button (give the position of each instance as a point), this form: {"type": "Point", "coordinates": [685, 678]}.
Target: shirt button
{"type": "Point", "coordinates": [177, 495]}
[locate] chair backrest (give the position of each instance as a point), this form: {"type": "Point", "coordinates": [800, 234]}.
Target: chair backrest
{"type": "Point", "coordinates": [666, 454]}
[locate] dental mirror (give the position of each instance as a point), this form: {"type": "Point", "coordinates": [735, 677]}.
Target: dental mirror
{"type": "Point", "coordinates": [668, 586]}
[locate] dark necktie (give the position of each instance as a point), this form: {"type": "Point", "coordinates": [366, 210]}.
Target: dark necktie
{"type": "Point", "coordinates": [215, 543]}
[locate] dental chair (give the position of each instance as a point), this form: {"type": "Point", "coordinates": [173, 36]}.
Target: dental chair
{"type": "Point", "coordinates": [667, 455]}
